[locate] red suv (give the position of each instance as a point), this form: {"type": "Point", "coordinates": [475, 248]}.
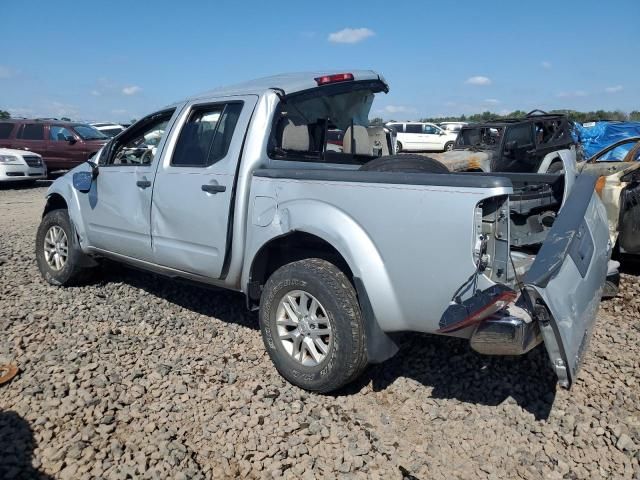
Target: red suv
{"type": "Point", "coordinates": [63, 145]}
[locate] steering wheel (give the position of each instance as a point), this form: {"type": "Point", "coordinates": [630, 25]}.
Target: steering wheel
{"type": "Point", "coordinates": [147, 157]}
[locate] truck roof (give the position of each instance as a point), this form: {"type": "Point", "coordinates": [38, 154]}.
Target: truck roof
{"type": "Point", "coordinates": [288, 82]}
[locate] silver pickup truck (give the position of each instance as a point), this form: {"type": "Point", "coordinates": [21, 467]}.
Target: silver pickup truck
{"type": "Point", "coordinates": [338, 248]}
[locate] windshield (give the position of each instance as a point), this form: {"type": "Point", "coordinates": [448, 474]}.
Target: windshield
{"type": "Point", "coordinates": [619, 153]}
{"type": "Point", "coordinates": [480, 137]}
{"type": "Point", "coordinates": [87, 132]}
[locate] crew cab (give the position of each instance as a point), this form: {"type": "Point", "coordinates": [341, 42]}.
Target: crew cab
{"type": "Point", "coordinates": [338, 250]}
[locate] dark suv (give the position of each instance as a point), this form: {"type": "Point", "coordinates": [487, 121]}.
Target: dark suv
{"type": "Point", "coordinates": [63, 145]}
{"type": "Point", "coordinates": [531, 144]}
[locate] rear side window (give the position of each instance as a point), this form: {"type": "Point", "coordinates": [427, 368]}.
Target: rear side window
{"type": "Point", "coordinates": [206, 136]}
{"type": "Point", "coordinates": [521, 134]}
{"type": "Point", "coordinates": [5, 129]}
{"type": "Point", "coordinates": [397, 127]}
{"type": "Point", "coordinates": [413, 128]}
{"type": "Point", "coordinates": [32, 131]}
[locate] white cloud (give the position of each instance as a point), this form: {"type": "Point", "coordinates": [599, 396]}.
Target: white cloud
{"type": "Point", "coordinates": [546, 65]}
{"type": "Point", "coordinates": [6, 72]}
{"type": "Point", "coordinates": [478, 80]}
{"type": "Point", "coordinates": [350, 35]}
{"type": "Point", "coordinates": [572, 94]}
{"type": "Point", "coordinates": [614, 89]}
{"type": "Point", "coordinates": [95, 93]}
{"type": "Point", "coordinates": [398, 109]}
{"type": "Point", "coordinates": [131, 90]}
{"type": "Point", "coordinates": [492, 101]}
{"type": "Point", "coordinates": [21, 112]}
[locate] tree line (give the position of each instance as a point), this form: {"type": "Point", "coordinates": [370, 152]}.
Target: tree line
{"type": "Point", "coordinates": [574, 115]}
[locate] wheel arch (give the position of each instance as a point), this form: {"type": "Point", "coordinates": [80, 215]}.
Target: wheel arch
{"type": "Point", "coordinates": [338, 239]}
{"type": "Point", "coordinates": [55, 201]}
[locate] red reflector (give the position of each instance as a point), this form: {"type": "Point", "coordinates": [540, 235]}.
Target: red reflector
{"type": "Point", "coordinates": [338, 77]}
{"type": "Point", "coordinates": [496, 302]}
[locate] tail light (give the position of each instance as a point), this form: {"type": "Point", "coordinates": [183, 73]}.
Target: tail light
{"type": "Point", "coordinates": [335, 78]}
{"type": "Point", "coordinates": [481, 305]}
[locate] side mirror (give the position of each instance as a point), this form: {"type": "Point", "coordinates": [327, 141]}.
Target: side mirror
{"type": "Point", "coordinates": [82, 181]}
{"type": "Point", "coordinates": [70, 139]}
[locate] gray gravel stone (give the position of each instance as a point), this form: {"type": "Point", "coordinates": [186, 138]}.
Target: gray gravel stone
{"type": "Point", "coordinates": [135, 376]}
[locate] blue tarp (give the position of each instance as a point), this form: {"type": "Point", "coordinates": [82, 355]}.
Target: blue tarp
{"type": "Point", "coordinates": [595, 136]}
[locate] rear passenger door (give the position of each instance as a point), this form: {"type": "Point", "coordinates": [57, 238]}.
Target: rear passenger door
{"type": "Point", "coordinates": [195, 185]}
{"type": "Point", "coordinates": [5, 134]}
{"type": "Point", "coordinates": [30, 136]}
{"type": "Point", "coordinates": [414, 137]}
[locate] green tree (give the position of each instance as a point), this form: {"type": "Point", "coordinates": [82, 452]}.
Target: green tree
{"type": "Point", "coordinates": [4, 114]}
{"type": "Point", "coordinates": [377, 122]}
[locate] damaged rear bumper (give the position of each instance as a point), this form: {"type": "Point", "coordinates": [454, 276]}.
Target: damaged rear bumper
{"type": "Point", "coordinates": [511, 333]}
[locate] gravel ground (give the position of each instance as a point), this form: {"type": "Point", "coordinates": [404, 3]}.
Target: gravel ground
{"type": "Point", "coordinates": [136, 376]}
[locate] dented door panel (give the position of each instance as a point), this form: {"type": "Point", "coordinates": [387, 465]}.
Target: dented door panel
{"type": "Point", "coordinates": [565, 282]}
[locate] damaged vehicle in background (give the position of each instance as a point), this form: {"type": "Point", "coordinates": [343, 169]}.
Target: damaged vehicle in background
{"type": "Point", "coordinates": [537, 143]}
{"type": "Point", "coordinates": [240, 191]}
{"type": "Point", "coordinates": [618, 170]}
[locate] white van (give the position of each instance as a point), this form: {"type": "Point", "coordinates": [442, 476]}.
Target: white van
{"type": "Point", "coordinates": [416, 136]}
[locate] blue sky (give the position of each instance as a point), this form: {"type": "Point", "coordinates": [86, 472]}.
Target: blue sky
{"type": "Point", "coordinates": [117, 60]}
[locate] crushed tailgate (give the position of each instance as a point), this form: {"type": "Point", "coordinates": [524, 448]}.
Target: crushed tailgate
{"type": "Point", "coordinates": [566, 279]}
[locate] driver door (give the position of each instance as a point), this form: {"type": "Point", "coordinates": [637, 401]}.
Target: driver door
{"type": "Point", "coordinates": [432, 138]}
{"type": "Point", "coordinates": [117, 209]}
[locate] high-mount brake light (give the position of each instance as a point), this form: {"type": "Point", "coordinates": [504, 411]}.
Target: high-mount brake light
{"type": "Point", "coordinates": [475, 309]}
{"type": "Point", "coordinates": [335, 78]}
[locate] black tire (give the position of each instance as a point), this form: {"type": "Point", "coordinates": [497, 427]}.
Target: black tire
{"type": "Point", "coordinates": [346, 357]}
{"type": "Point", "coordinates": [448, 146]}
{"type": "Point", "coordinates": [398, 147]}
{"type": "Point", "coordinates": [72, 272]}
{"type": "Point", "coordinates": [556, 167]}
{"type": "Point", "coordinates": [405, 163]}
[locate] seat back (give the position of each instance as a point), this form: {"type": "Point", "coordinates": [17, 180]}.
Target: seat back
{"type": "Point", "coordinates": [360, 144]}
{"type": "Point", "coordinates": [295, 137]}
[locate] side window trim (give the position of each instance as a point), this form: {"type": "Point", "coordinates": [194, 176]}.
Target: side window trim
{"type": "Point", "coordinates": [193, 110]}
{"type": "Point", "coordinates": [108, 150]}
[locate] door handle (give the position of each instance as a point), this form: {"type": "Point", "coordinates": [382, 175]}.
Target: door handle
{"type": "Point", "coordinates": [213, 188]}
{"type": "Point", "coordinates": [143, 183]}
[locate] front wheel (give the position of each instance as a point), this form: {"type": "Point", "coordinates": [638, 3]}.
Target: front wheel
{"type": "Point", "coordinates": [448, 146]}
{"type": "Point", "coordinates": [58, 255]}
{"type": "Point", "coordinates": [312, 326]}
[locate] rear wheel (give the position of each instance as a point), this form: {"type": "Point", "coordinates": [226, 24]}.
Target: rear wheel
{"type": "Point", "coordinates": [398, 147]}
{"type": "Point", "coordinates": [58, 255]}
{"type": "Point", "coordinates": [312, 326]}
{"type": "Point", "coordinates": [405, 163]}
{"type": "Point", "coordinates": [448, 146]}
